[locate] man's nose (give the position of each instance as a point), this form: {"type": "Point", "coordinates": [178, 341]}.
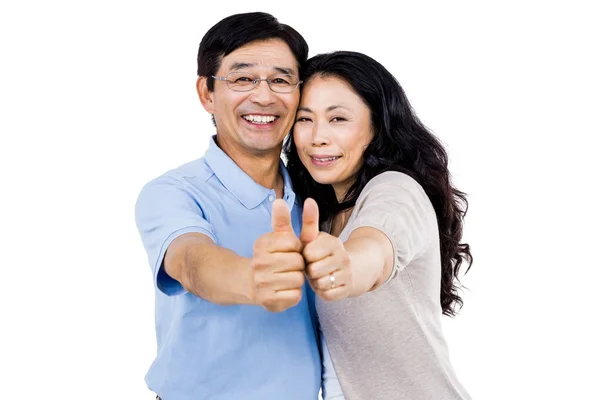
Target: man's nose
{"type": "Point", "coordinates": [262, 93]}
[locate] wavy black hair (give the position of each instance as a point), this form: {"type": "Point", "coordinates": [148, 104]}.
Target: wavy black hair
{"type": "Point", "coordinates": [400, 143]}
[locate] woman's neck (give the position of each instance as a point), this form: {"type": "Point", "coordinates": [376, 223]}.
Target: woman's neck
{"type": "Point", "coordinates": [339, 221]}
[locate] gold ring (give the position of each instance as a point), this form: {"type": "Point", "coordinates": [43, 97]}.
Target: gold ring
{"type": "Point", "coordinates": [332, 279]}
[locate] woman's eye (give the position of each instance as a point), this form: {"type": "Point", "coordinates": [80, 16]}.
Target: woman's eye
{"type": "Point", "coordinates": [338, 119]}
{"type": "Point", "coordinates": [302, 119]}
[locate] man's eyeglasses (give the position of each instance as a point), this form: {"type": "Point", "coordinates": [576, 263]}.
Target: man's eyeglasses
{"type": "Point", "coordinates": [245, 82]}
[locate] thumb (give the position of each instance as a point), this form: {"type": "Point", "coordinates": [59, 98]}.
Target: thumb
{"type": "Point", "coordinates": [310, 221]}
{"type": "Point", "coordinates": [281, 220]}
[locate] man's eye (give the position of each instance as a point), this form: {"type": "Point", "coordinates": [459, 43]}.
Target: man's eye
{"type": "Point", "coordinates": [243, 79]}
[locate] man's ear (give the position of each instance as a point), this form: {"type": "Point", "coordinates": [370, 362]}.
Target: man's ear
{"type": "Point", "coordinates": [206, 96]}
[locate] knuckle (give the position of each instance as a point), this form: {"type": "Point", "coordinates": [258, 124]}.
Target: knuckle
{"type": "Point", "coordinates": [316, 284]}
{"type": "Point", "coordinates": [296, 297]}
{"type": "Point", "coordinates": [259, 244]}
{"type": "Point", "coordinates": [291, 261]}
{"type": "Point", "coordinates": [291, 241]}
{"type": "Point", "coordinates": [299, 279]}
{"type": "Point", "coordinates": [269, 303]}
{"type": "Point", "coordinates": [278, 306]}
{"type": "Point", "coordinates": [311, 270]}
{"type": "Point", "coordinates": [260, 283]}
{"type": "Point", "coordinates": [298, 261]}
{"type": "Point", "coordinates": [327, 295]}
{"type": "Point", "coordinates": [258, 262]}
{"type": "Point", "coordinates": [325, 283]}
{"type": "Point", "coordinates": [345, 259]}
{"type": "Point", "coordinates": [308, 253]}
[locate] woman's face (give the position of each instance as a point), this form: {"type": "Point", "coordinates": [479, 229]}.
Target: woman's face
{"type": "Point", "coordinates": [332, 130]}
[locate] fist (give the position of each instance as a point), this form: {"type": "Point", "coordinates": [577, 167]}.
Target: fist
{"type": "Point", "coordinates": [277, 263]}
{"type": "Point", "coordinates": [327, 262]}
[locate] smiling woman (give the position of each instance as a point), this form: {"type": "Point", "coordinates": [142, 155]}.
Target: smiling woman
{"type": "Point", "coordinates": [332, 131]}
{"type": "Point", "coordinates": [99, 98]}
{"type": "Point", "coordinates": [385, 264]}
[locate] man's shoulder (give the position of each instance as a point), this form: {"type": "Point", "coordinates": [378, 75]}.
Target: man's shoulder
{"type": "Point", "coordinates": [195, 170]}
{"type": "Point", "coordinates": [191, 175]}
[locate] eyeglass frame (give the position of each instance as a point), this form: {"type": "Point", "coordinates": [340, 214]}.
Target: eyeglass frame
{"type": "Point", "coordinates": [256, 81]}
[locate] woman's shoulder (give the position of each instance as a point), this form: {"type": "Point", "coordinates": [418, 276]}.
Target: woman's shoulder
{"type": "Point", "coordinates": [392, 180]}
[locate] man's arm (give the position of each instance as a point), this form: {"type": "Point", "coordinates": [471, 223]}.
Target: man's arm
{"type": "Point", "coordinates": [183, 255]}
{"type": "Point", "coordinates": [209, 271]}
{"type": "Point", "coordinates": [273, 278]}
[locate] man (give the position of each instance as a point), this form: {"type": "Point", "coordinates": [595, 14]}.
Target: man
{"type": "Point", "coordinates": [234, 317]}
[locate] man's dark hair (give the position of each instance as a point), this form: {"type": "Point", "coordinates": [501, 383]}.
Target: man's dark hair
{"type": "Point", "coordinates": [238, 30]}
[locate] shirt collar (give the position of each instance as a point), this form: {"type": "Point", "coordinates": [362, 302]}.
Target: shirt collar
{"type": "Point", "coordinates": [240, 184]}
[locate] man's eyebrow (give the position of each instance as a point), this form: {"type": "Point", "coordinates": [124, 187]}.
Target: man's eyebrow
{"type": "Point", "coordinates": [243, 65]}
{"type": "Point", "coordinates": [283, 70]}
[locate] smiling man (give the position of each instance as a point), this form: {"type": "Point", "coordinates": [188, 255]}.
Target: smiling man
{"type": "Point", "coordinates": [234, 317]}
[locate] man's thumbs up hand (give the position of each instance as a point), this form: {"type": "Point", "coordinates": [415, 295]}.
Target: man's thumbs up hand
{"type": "Point", "coordinates": [277, 263]}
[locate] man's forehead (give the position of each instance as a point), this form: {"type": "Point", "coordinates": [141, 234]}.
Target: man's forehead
{"type": "Point", "coordinates": [273, 56]}
{"type": "Point", "coordinates": [248, 66]}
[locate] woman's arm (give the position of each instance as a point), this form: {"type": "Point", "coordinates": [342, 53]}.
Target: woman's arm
{"type": "Point", "coordinates": [392, 223]}
{"type": "Point", "coordinates": [371, 259]}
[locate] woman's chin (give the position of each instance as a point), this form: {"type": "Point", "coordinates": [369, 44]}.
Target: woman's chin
{"type": "Point", "coordinates": [323, 180]}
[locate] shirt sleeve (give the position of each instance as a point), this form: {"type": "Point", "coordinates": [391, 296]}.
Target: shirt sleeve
{"type": "Point", "coordinates": [397, 205]}
{"type": "Point", "coordinates": [166, 209]}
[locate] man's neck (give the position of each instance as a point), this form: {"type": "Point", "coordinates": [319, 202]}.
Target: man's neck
{"type": "Point", "coordinates": [262, 167]}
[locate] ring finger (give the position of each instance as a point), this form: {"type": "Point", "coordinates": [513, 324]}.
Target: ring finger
{"type": "Point", "coordinates": [330, 281]}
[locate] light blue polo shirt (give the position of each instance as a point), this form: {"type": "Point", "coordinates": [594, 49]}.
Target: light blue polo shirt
{"type": "Point", "coordinates": [210, 351]}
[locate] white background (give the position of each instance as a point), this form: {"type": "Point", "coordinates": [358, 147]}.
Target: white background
{"type": "Point", "coordinates": [98, 97]}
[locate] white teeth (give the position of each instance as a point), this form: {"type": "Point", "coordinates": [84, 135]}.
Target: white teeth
{"type": "Point", "coordinates": [325, 159]}
{"type": "Point", "coordinates": [260, 119]}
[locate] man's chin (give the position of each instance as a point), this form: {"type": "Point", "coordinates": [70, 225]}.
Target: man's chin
{"type": "Point", "coordinates": [264, 146]}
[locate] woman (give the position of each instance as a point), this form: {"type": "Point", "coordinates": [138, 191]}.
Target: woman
{"type": "Point", "coordinates": [385, 268]}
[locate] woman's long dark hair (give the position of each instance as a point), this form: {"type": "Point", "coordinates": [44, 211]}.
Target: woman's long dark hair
{"type": "Point", "coordinates": [400, 143]}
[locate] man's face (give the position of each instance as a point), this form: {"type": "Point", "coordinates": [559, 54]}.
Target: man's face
{"type": "Point", "coordinates": [258, 120]}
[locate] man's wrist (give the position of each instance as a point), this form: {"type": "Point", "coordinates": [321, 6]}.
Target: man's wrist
{"type": "Point", "coordinates": [248, 287]}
